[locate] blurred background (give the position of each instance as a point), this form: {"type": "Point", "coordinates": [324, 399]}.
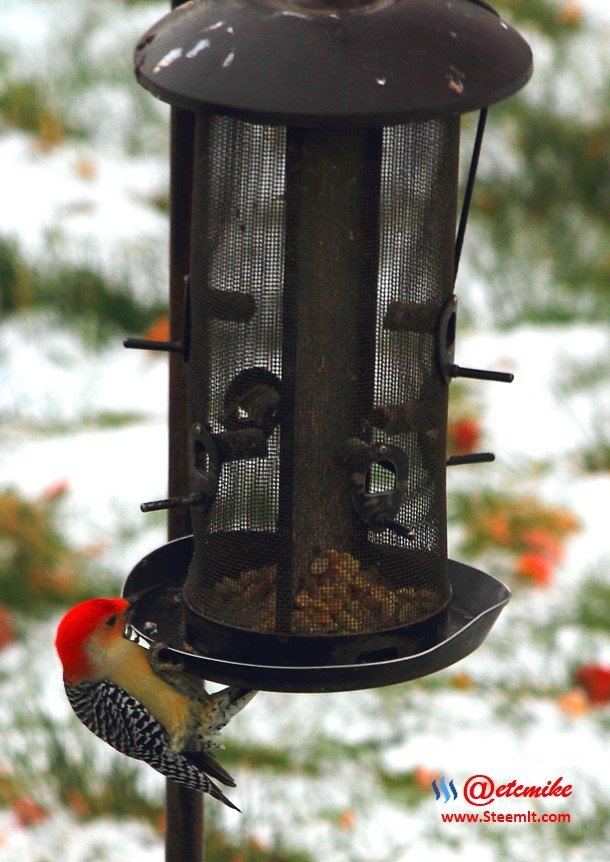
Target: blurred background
{"type": "Point", "coordinates": [83, 263]}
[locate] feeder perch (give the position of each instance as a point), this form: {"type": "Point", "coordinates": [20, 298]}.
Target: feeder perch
{"type": "Point", "coordinates": [320, 333]}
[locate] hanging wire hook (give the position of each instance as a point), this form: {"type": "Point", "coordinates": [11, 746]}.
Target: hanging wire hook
{"type": "Point", "coordinates": [474, 163]}
{"type": "Point", "coordinates": [472, 175]}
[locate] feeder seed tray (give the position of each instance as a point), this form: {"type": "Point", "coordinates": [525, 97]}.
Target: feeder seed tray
{"type": "Point", "coordinates": [476, 603]}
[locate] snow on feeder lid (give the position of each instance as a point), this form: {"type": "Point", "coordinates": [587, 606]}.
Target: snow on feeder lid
{"type": "Point", "coordinates": [319, 338]}
{"type": "Point", "coordinates": [333, 63]}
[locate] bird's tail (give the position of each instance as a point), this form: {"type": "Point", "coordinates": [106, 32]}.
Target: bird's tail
{"type": "Point", "coordinates": [217, 793]}
{"type": "Point", "coordinates": [227, 703]}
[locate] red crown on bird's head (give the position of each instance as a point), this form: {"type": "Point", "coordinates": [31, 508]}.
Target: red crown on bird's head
{"type": "Point", "coordinates": [75, 629]}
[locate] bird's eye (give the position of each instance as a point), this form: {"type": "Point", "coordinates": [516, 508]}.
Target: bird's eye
{"type": "Point", "coordinates": [111, 621]}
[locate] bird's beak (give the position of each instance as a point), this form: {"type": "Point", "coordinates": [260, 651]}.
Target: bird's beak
{"type": "Point", "coordinates": [133, 598]}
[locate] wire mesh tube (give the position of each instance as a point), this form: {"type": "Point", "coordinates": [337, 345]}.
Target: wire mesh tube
{"type": "Point", "coordinates": [330, 255]}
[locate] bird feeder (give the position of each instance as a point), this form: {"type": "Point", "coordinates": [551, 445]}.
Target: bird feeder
{"type": "Point", "coordinates": [319, 337]}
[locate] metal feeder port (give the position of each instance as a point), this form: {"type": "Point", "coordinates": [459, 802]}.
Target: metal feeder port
{"type": "Point", "coordinates": [319, 337]}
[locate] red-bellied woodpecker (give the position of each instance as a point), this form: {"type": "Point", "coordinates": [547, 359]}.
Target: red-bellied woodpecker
{"type": "Point", "coordinates": [139, 705]}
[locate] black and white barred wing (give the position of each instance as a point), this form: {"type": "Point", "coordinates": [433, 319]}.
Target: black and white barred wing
{"type": "Point", "coordinates": [121, 721]}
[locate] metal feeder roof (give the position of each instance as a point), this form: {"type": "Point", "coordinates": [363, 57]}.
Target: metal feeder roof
{"type": "Point", "coordinates": [333, 63]}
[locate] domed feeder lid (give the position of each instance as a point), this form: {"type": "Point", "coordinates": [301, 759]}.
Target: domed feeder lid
{"type": "Point", "coordinates": [333, 62]}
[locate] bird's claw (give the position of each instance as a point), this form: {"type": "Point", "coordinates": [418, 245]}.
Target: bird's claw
{"type": "Point", "coordinates": [171, 669]}
{"type": "Point", "coordinates": [163, 661]}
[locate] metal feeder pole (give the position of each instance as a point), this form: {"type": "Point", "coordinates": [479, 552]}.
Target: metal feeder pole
{"type": "Point", "coordinates": [183, 807]}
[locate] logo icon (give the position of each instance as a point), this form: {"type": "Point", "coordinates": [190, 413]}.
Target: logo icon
{"type": "Point", "coordinates": [445, 789]}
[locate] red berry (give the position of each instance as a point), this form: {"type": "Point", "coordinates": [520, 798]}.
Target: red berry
{"type": "Point", "coordinates": [466, 434]}
{"type": "Point", "coordinates": [595, 679]}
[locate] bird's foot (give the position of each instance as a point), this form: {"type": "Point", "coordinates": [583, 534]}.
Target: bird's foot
{"type": "Point", "coordinates": [171, 669]}
{"type": "Point", "coordinates": [163, 661]}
